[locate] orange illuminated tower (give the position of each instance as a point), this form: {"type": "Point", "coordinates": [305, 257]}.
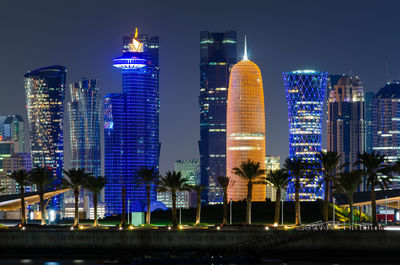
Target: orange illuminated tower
{"type": "Point", "coordinates": [245, 134]}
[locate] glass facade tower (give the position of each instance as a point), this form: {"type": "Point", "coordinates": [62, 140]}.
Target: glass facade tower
{"type": "Point", "coordinates": [12, 128]}
{"type": "Point", "coordinates": [131, 128]}
{"type": "Point", "coordinates": [346, 121]}
{"type": "Point", "coordinates": [386, 123]}
{"type": "Point", "coordinates": [217, 56]}
{"type": "Point", "coordinates": [369, 109]}
{"type": "Point", "coordinates": [305, 94]}
{"type": "Point", "coordinates": [84, 120]}
{"type": "Point", "coordinates": [45, 93]}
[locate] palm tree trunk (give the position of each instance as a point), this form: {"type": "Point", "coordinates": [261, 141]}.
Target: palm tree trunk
{"type": "Point", "coordinates": [326, 202]}
{"type": "Point", "coordinates": [351, 209]}
{"type": "Point", "coordinates": [148, 204]}
{"type": "Point", "coordinates": [373, 206]}
{"type": "Point", "coordinates": [248, 202]}
{"type": "Point", "coordinates": [174, 218]}
{"type": "Point", "coordinates": [277, 205]}
{"type": "Point", "coordinates": [297, 202]}
{"type": "Point", "coordinates": [23, 214]}
{"type": "Point", "coordinates": [76, 193]}
{"type": "Point", "coordinates": [225, 217]}
{"type": "Point", "coordinates": [198, 208]}
{"type": "Point", "coordinates": [42, 207]}
{"type": "Point", "coordinates": [95, 208]}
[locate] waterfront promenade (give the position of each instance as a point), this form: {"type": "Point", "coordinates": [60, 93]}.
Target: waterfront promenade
{"type": "Point", "coordinates": [211, 240]}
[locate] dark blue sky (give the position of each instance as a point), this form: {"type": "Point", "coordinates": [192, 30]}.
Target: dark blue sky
{"type": "Point", "coordinates": [334, 36]}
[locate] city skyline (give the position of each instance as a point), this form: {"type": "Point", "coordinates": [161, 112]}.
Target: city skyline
{"type": "Point", "coordinates": [183, 145]}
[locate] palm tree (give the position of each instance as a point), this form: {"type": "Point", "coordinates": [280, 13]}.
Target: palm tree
{"type": "Point", "coordinates": [42, 178]}
{"type": "Point", "coordinates": [278, 179]}
{"type": "Point", "coordinates": [377, 174]}
{"type": "Point", "coordinates": [75, 179]}
{"type": "Point", "coordinates": [297, 168]}
{"type": "Point", "coordinates": [329, 162]}
{"type": "Point", "coordinates": [347, 183]}
{"type": "Point", "coordinates": [95, 185]}
{"type": "Point", "coordinates": [149, 176]}
{"type": "Point", "coordinates": [198, 189]}
{"type": "Point", "coordinates": [251, 172]}
{"type": "Point", "coordinates": [225, 182]}
{"type": "Point", "coordinates": [173, 182]}
{"type": "Point", "coordinates": [21, 177]}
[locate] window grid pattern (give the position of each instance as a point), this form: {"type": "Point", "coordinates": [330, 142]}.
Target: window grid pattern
{"type": "Point", "coordinates": [131, 135]}
{"type": "Point", "coordinates": [217, 56]}
{"type": "Point", "coordinates": [245, 126]}
{"type": "Point", "coordinates": [45, 93]}
{"type": "Point", "coordinates": [305, 94]}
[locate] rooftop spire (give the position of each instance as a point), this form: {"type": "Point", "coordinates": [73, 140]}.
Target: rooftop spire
{"type": "Point", "coordinates": [245, 49]}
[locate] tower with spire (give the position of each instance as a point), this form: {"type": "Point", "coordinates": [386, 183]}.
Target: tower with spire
{"type": "Point", "coordinates": [131, 131]}
{"type": "Point", "coordinates": [245, 134]}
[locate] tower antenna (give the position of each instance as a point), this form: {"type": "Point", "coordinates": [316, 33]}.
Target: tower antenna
{"type": "Point", "coordinates": [387, 72]}
{"type": "Point", "coordinates": [245, 49]}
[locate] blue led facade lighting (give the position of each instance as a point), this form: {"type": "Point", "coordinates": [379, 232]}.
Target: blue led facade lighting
{"type": "Point", "coordinates": [305, 94]}
{"type": "Point", "coordinates": [131, 129]}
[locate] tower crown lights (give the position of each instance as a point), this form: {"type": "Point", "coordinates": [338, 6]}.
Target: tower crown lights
{"type": "Point", "coordinates": [136, 46]}
{"type": "Point", "coordinates": [131, 59]}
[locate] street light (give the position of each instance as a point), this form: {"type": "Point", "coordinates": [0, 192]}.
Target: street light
{"type": "Point", "coordinates": [230, 212]}
{"type": "Point", "coordinates": [333, 210]}
{"type": "Point", "coordinates": [282, 211]}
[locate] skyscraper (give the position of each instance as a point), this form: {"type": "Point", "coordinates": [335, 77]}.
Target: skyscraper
{"type": "Point", "coordinates": [84, 126]}
{"type": "Point", "coordinates": [12, 137]}
{"type": "Point", "coordinates": [245, 134]}
{"type": "Point", "coordinates": [131, 128]}
{"type": "Point", "coordinates": [346, 120]}
{"type": "Point", "coordinates": [45, 92]}
{"type": "Point", "coordinates": [369, 109]}
{"type": "Point", "coordinates": [12, 128]}
{"type": "Point", "coordinates": [386, 123]}
{"type": "Point", "coordinates": [305, 94]}
{"type": "Point", "coordinates": [217, 56]}
{"type": "Point", "coordinates": [15, 162]}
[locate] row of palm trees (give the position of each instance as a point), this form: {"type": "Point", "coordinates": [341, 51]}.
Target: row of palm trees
{"type": "Point", "coordinates": [375, 170]}
{"type": "Point", "coordinates": [172, 182]}
{"type": "Point", "coordinates": [44, 180]}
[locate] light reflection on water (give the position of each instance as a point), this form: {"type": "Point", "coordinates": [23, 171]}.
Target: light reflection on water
{"type": "Point", "coordinates": [265, 262]}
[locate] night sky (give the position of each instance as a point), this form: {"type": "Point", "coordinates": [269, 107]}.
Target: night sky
{"type": "Point", "coordinates": [84, 36]}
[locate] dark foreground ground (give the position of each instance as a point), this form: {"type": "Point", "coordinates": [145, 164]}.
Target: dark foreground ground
{"type": "Point", "coordinates": [201, 247]}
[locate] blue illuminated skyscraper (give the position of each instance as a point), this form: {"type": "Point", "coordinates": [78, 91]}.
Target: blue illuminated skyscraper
{"type": "Point", "coordinates": [131, 128]}
{"type": "Point", "coordinates": [305, 93]}
{"type": "Point", "coordinates": [217, 56]}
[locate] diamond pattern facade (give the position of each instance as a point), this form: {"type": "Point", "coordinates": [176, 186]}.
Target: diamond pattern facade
{"type": "Point", "coordinates": [305, 94]}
